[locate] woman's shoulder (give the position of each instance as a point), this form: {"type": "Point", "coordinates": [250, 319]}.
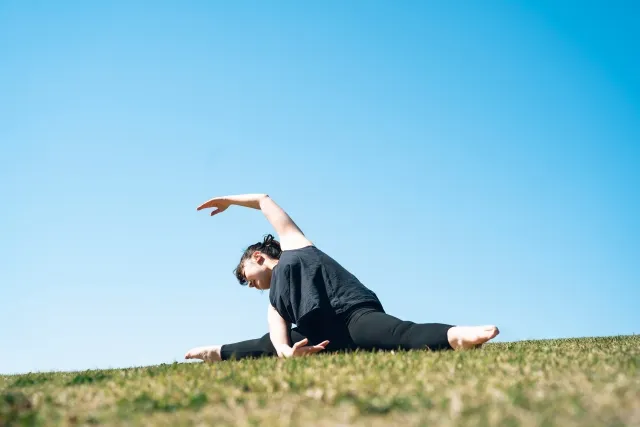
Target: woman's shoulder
{"type": "Point", "coordinates": [297, 254]}
{"type": "Point", "coordinates": [295, 260]}
{"type": "Point", "coordinates": [309, 247]}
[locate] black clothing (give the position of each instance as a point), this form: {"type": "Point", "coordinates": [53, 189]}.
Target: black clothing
{"type": "Point", "coordinates": [326, 302]}
{"type": "Point", "coordinates": [307, 280]}
{"type": "Point", "coordinates": [364, 327]}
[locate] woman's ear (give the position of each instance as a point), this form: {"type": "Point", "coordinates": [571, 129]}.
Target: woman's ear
{"type": "Point", "coordinates": [258, 258]}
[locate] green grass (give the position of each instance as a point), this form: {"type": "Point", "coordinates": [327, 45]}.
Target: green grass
{"type": "Point", "coordinates": [574, 382]}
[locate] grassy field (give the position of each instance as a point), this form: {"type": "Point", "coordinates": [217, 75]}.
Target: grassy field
{"type": "Point", "coordinates": [575, 382]}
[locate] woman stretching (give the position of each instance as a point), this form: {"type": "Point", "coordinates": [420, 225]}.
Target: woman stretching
{"type": "Point", "coordinates": [332, 310]}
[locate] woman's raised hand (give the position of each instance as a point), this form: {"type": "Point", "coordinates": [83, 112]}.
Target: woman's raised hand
{"type": "Point", "coordinates": [290, 235]}
{"type": "Point", "coordinates": [222, 203]}
{"type": "Point", "coordinates": [219, 203]}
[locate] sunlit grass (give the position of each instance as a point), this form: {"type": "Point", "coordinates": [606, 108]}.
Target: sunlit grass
{"type": "Point", "coordinates": [575, 382]}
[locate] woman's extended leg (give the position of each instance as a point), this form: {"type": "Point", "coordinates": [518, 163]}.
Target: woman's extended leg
{"type": "Point", "coordinates": [263, 347]}
{"type": "Point", "coordinates": [260, 347]}
{"type": "Point", "coordinates": [316, 327]}
{"type": "Point", "coordinates": [374, 329]}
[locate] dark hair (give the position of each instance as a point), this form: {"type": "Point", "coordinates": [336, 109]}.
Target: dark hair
{"type": "Point", "coordinates": [269, 246]}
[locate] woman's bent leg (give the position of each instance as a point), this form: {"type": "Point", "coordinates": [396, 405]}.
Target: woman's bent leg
{"type": "Point", "coordinates": [378, 330]}
{"type": "Point", "coordinates": [319, 326]}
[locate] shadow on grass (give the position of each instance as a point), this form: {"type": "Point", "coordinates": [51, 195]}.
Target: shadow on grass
{"type": "Point", "coordinates": [16, 409]}
{"type": "Point", "coordinates": [88, 378]}
{"type": "Point", "coordinates": [31, 380]}
{"type": "Point", "coordinates": [148, 404]}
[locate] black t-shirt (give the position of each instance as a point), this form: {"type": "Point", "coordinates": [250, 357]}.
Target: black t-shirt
{"type": "Point", "coordinates": [307, 279]}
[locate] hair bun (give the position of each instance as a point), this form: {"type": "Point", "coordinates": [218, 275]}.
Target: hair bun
{"type": "Point", "coordinates": [268, 239]}
{"type": "Point", "coordinates": [271, 242]}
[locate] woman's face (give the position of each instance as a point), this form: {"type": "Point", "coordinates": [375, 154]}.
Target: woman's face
{"type": "Point", "coordinates": [256, 272]}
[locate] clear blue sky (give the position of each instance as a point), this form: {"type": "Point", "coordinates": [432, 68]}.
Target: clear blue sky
{"type": "Point", "coordinates": [471, 164]}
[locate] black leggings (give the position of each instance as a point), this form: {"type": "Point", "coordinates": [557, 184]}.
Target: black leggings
{"type": "Point", "coordinates": [364, 328]}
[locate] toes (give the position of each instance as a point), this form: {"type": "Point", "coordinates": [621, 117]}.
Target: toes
{"type": "Point", "coordinates": [192, 354]}
{"type": "Point", "coordinates": [492, 331]}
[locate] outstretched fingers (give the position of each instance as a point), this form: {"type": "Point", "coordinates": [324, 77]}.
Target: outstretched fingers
{"type": "Point", "coordinates": [300, 343]}
{"type": "Point", "coordinates": [301, 349]}
{"type": "Point", "coordinates": [322, 345]}
{"type": "Point", "coordinates": [208, 204]}
{"type": "Point", "coordinates": [216, 202]}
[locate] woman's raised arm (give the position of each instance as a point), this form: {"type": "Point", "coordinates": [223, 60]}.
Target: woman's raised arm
{"type": "Point", "coordinates": [289, 234]}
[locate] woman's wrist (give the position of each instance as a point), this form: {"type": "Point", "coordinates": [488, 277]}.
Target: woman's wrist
{"type": "Point", "coordinates": [282, 350]}
{"type": "Point", "coordinates": [246, 200]}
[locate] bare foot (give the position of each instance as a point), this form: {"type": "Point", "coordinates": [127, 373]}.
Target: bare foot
{"type": "Point", "coordinates": [463, 337]}
{"type": "Point", "coordinates": [209, 353]}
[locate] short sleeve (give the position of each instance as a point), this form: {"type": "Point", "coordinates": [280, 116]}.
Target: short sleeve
{"type": "Point", "coordinates": [279, 290]}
